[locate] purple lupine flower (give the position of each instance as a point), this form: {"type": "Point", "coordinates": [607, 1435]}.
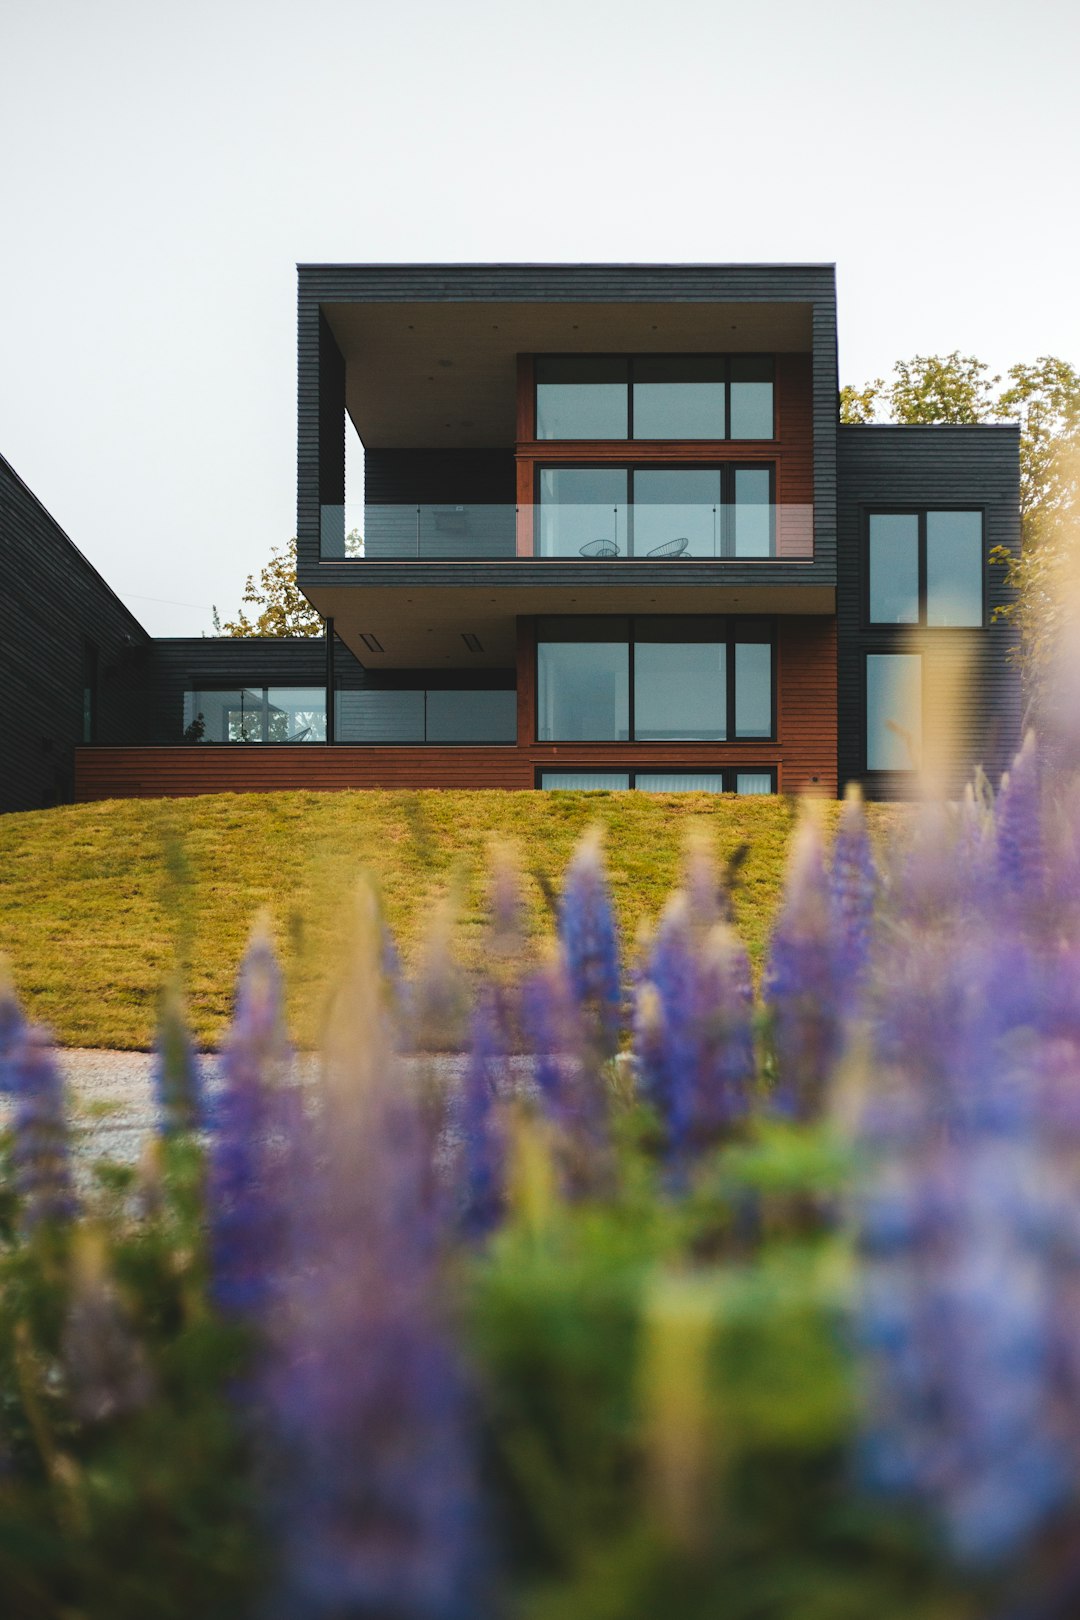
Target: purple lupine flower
{"type": "Point", "coordinates": [853, 889]}
{"type": "Point", "coordinates": [177, 1071]}
{"type": "Point", "coordinates": [589, 936]}
{"type": "Point", "coordinates": [244, 1202]}
{"type": "Point", "coordinates": [694, 1032]}
{"type": "Point", "coordinates": [39, 1152]}
{"type": "Point", "coordinates": [481, 1153]}
{"type": "Point", "coordinates": [437, 996]}
{"type": "Point", "coordinates": [375, 1493]}
{"type": "Point", "coordinates": [706, 895]}
{"type": "Point", "coordinates": [1021, 860]}
{"type": "Point", "coordinates": [802, 984]}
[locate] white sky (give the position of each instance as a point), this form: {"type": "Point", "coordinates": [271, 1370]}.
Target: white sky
{"type": "Point", "coordinates": [164, 164]}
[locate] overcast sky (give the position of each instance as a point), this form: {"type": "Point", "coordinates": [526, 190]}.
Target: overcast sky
{"type": "Point", "coordinates": [164, 166]}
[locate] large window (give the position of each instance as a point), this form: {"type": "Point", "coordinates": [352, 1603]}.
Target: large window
{"type": "Point", "coordinates": [434, 715]}
{"type": "Point", "coordinates": [672, 397]}
{"type": "Point", "coordinates": [662, 513]}
{"type": "Point", "coordinates": [926, 568]}
{"type": "Point", "coordinates": [256, 714]}
{"type": "Point", "coordinates": [654, 680]}
{"type": "Point", "coordinates": [746, 783]}
{"type": "Point", "coordinates": [893, 711]}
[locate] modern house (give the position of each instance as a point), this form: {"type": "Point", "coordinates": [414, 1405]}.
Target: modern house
{"type": "Point", "coordinates": [611, 535]}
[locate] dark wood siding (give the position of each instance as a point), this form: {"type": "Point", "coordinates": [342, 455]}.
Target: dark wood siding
{"type": "Point", "coordinates": [55, 609]}
{"type": "Point", "coordinates": [971, 692]}
{"type": "Point", "coordinates": [183, 663]}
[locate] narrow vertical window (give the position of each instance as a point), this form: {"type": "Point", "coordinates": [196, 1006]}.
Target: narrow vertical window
{"type": "Point", "coordinates": [753, 689]}
{"type": "Point", "coordinates": [893, 711]}
{"type": "Point", "coordinates": [753, 514]}
{"type": "Point", "coordinates": [751, 397]}
{"type": "Point", "coordinates": [954, 568]}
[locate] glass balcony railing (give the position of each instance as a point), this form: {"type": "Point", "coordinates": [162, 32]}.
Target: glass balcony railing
{"type": "Point", "coordinates": [750, 531]}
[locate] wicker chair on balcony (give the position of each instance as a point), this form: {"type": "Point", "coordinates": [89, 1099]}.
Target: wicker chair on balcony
{"type": "Point", "coordinates": [600, 548]}
{"type": "Point", "coordinates": [670, 548]}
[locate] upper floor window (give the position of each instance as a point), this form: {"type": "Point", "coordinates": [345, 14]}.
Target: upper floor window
{"type": "Point", "coordinates": [256, 714]}
{"type": "Point", "coordinates": [926, 568]}
{"type": "Point", "coordinates": [656, 512]}
{"type": "Point", "coordinates": [673, 397]}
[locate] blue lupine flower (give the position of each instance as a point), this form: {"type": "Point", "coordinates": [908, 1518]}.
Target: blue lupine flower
{"type": "Point", "coordinates": [481, 1158]}
{"type": "Point", "coordinates": [589, 936]}
{"type": "Point", "coordinates": [244, 1202]}
{"type": "Point", "coordinates": [376, 1498]}
{"type": "Point", "coordinates": [694, 1031]}
{"type": "Point", "coordinates": [853, 889]}
{"type": "Point", "coordinates": [40, 1150]}
{"type": "Point", "coordinates": [802, 983]}
{"type": "Point", "coordinates": [1021, 859]}
{"type": "Point", "coordinates": [177, 1071]}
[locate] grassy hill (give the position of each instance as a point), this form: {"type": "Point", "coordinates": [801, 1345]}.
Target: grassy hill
{"type": "Point", "coordinates": [99, 902]}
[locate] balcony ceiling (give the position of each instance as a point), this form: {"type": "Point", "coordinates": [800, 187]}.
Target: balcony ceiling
{"type": "Point", "coordinates": [422, 627]}
{"type": "Point", "coordinates": [444, 375]}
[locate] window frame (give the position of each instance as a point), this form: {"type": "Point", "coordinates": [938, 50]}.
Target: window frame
{"type": "Point", "coordinates": [723, 358]}
{"type": "Point", "coordinates": [727, 470]}
{"type": "Point", "coordinates": [729, 627]}
{"type": "Point", "coordinates": [728, 772]}
{"type": "Point", "coordinates": [920, 513]}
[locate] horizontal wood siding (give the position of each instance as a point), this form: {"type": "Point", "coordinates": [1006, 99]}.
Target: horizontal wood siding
{"type": "Point", "coordinates": [51, 602]}
{"type": "Point", "coordinates": [804, 752]}
{"type": "Point", "coordinates": [971, 691]}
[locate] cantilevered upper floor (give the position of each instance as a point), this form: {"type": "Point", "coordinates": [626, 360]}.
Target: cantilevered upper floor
{"type": "Point", "coordinates": [563, 439]}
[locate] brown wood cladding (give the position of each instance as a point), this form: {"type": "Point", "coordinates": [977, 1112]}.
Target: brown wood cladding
{"type": "Point", "coordinates": [804, 752]}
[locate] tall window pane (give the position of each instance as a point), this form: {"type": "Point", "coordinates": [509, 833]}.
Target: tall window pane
{"type": "Point", "coordinates": [751, 397]}
{"type": "Point", "coordinates": [893, 711]}
{"type": "Point", "coordinates": [753, 689]}
{"type": "Point", "coordinates": [680, 691]}
{"type": "Point", "coordinates": [296, 714]}
{"type": "Point", "coordinates": [676, 505]}
{"type": "Point", "coordinates": [678, 398]}
{"type": "Point", "coordinates": [894, 568]}
{"type": "Point", "coordinates": [582, 398]}
{"type": "Point", "coordinates": [583, 684]}
{"type": "Point", "coordinates": [954, 568]}
{"type": "Point", "coordinates": [753, 512]}
{"type": "Point", "coordinates": [583, 512]}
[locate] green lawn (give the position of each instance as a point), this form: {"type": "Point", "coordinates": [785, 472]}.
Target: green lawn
{"type": "Point", "coordinates": [99, 902]}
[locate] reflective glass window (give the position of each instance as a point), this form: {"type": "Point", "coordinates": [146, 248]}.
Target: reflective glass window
{"type": "Point", "coordinates": [680, 686]}
{"type": "Point", "coordinates": [753, 689]}
{"type": "Point", "coordinates": [374, 716]}
{"type": "Point", "coordinates": [954, 568]}
{"type": "Point", "coordinates": [893, 711]}
{"type": "Point", "coordinates": [677, 512]}
{"type": "Point", "coordinates": [582, 397]}
{"type": "Point", "coordinates": [894, 568]}
{"type": "Point", "coordinates": [583, 512]}
{"type": "Point", "coordinates": [586, 781]}
{"type": "Point", "coordinates": [679, 782]}
{"type": "Point", "coordinates": [679, 398]}
{"type": "Point", "coordinates": [583, 680]}
{"type": "Point", "coordinates": [753, 512]}
{"type": "Point", "coordinates": [752, 783]}
{"type": "Point", "coordinates": [751, 397]}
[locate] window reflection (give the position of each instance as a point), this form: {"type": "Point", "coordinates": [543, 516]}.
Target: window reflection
{"type": "Point", "coordinates": [582, 397]}
{"type": "Point", "coordinates": [751, 397]}
{"type": "Point", "coordinates": [894, 568]}
{"type": "Point", "coordinates": [680, 398]}
{"type": "Point", "coordinates": [893, 711]}
{"type": "Point", "coordinates": [954, 568]}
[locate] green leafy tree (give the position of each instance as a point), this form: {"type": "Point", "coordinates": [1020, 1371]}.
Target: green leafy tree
{"type": "Point", "coordinates": [859, 406]}
{"type": "Point", "coordinates": [282, 609]}
{"type": "Point", "coordinates": [1045, 398]}
{"type": "Point", "coordinates": [941, 388]}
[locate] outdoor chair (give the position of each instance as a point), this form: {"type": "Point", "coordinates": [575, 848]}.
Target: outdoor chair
{"type": "Point", "coordinates": [670, 548]}
{"type": "Point", "coordinates": [600, 548]}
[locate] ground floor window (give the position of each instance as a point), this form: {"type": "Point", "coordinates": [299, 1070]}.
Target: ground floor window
{"type": "Point", "coordinates": [256, 714]}
{"type": "Point", "coordinates": [426, 715]}
{"type": "Point", "coordinates": [893, 711]}
{"type": "Point", "coordinates": [654, 679]}
{"type": "Point", "coordinates": [728, 780]}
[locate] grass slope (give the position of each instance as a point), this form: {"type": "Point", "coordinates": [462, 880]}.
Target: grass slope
{"type": "Point", "coordinates": [98, 903]}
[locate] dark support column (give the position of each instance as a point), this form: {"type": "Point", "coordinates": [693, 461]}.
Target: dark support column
{"type": "Point", "coordinates": [328, 628]}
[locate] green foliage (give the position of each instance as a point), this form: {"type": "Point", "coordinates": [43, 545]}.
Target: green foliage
{"type": "Point", "coordinates": [282, 608]}
{"type": "Point", "coordinates": [941, 388]}
{"type": "Point", "coordinates": [860, 405]}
